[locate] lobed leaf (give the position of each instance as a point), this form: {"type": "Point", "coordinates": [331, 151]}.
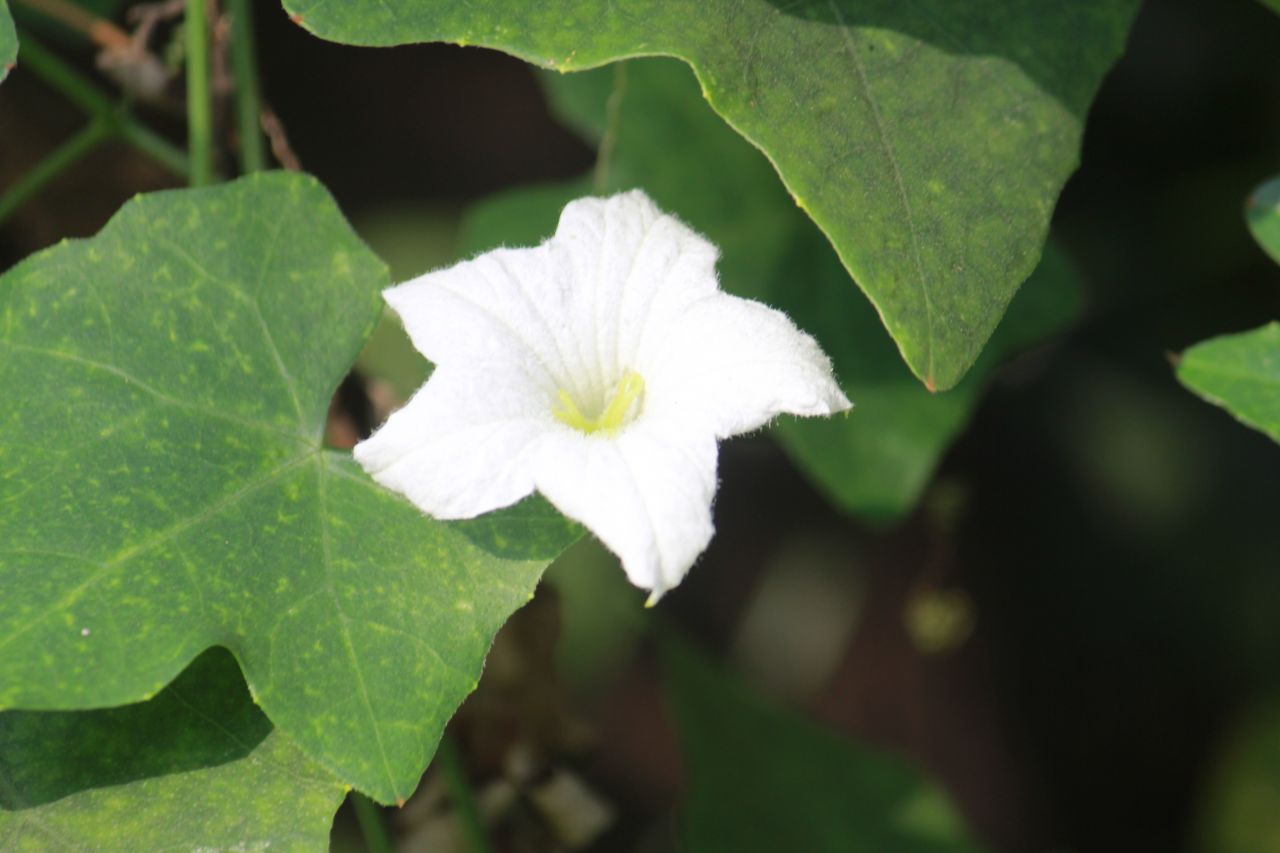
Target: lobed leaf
{"type": "Point", "coordinates": [874, 462]}
{"type": "Point", "coordinates": [1240, 373]}
{"type": "Point", "coordinates": [165, 489]}
{"type": "Point", "coordinates": [803, 787]}
{"type": "Point", "coordinates": [198, 767]}
{"type": "Point", "coordinates": [928, 140]}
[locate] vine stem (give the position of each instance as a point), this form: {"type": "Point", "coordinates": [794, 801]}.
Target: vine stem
{"type": "Point", "coordinates": [464, 801]}
{"type": "Point", "coordinates": [45, 64]}
{"type": "Point", "coordinates": [108, 121]}
{"type": "Point", "coordinates": [199, 95]}
{"type": "Point", "coordinates": [52, 165]}
{"type": "Point", "coordinates": [372, 828]}
{"type": "Point", "coordinates": [244, 65]}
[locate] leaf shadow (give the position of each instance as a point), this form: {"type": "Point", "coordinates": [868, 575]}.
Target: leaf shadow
{"type": "Point", "coordinates": [204, 718]}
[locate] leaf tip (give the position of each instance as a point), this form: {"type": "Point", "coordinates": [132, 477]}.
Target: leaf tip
{"type": "Point", "coordinates": [930, 384]}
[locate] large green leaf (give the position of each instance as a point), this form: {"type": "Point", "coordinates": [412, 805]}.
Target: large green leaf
{"type": "Point", "coordinates": [762, 779]}
{"type": "Point", "coordinates": [196, 768]}
{"type": "Point", "coordinates": [1241, 373]}
{"type": "Point", "coordinates": [8, 42]}
{"type": "Point", "coordinates": [1262, 212]}
{"type": "Point", "coordinates": [164, 488]}
{"type": "Point", "coordinates": [876, 461]}
{"type": "Point", "coordinates": [929, 140]}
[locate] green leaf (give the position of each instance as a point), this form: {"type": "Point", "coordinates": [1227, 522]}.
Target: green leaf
{"type": "Point", "coordinates": [1262, 212]}
{"type": "Point", "coordinates": [1240, 373]}
{"type": "Point", "coordinates": [928, 140]}
{"type": "Point", "coordinates": [876, 461]}
{"type": "Point", "coordinates": [165, 488]}
{"type": "Point", "coordinates": [8, 42]}
{"type": "Point", "coordinates": [803, 788]}
{"type": "Point", "coordinates": [197, 767]}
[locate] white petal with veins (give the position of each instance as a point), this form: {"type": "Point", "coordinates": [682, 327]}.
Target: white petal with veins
{"type": "Point", "coordinates": [739, 363]}
{"type": "Point", "coordinates": [463, 443]}
{"type": "Point", "coordinates": [645, 494]}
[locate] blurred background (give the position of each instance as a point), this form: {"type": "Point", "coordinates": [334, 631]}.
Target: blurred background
{"type": "Point", "coordinates": [1074, 631]}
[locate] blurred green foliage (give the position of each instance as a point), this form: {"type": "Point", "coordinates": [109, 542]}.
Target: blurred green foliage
{"type": "Point", "coordinates": [1241, 812]}
{"type": "Point", "coordinates": [762, 780]}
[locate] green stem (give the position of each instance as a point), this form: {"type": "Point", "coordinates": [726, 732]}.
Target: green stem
{"type": "Point", "coordinates": [244, 63]}
{"type": "Point", "coordinates": [371, 825]}
{"type": "Point", "coordinates": [108, 120]}
{"type": "Point", "coordinates": [199, 95]}
{"type": "Point", "coordinates": [53, 164]}
{"type": "Point", "coordinates": [149, 142]}
{"type": "Point", "coordinates": [47, 66]}
{"type": "Point", "coordinates": [464, 802]}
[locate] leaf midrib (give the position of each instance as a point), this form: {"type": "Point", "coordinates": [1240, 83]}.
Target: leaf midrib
{"type": "Point", "coordinates": [890, 155]}
{"type": "Point", "coordinates": [322, 510]}
{"type": "Point", "coordinates": [163, 396]}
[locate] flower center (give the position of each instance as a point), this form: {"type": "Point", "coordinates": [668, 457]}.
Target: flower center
{"type": "Point", "coordinates": [620, 407]}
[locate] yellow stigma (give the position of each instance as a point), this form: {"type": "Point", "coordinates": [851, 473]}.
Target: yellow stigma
{"type": "Point", "coordinates": [617, 412]}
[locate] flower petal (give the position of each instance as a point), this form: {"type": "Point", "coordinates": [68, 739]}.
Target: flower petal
{"type": "Point", "coordinates": [631, 270]}
{"type": "Point", "coordinates": [503, 307]}
{"type": "Point", "coordinates": [735, 364]}
{"type": "Point", "coordinates": [646, 494]}
{"type": "Point", "coordinates": [465, 443]}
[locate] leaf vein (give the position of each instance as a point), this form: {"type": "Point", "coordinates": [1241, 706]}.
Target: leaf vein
{"type": "Point", "coordinates": [105, 568]}
{"type": "Point", "coordinates": [887, 147]}
{"type": "Point", "coordinates": [129, 378]}
{"type": "Point", "coordinates": [322, 498]}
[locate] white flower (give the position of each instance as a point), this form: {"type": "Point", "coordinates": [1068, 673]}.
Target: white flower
{"type": "Point", "coordinates": [599, 369]}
